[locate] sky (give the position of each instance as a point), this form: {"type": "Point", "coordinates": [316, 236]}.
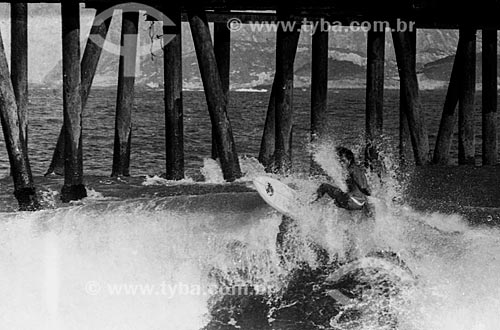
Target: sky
{"type": "Point", "coordinates": [44, 36]}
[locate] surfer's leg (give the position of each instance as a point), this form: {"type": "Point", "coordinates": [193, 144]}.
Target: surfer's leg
{"type": "Point", "coordinates": [289, 244]}
{"type": "Point", "coordinates": [330, 190]}
{"type": "Point", "coordinates": [352, 204]}
{"type": "Point", "coordinates": [284, 228]}
{"type": "Point", "coordinates": [284, 239]}
{"type": "Point", "coordinates": [341, 198]}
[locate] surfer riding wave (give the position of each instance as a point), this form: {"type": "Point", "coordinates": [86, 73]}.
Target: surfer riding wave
{"type": "Point", "coordinates": [326, 286]}
{"type": "Point", "coordinates": [357, 186]}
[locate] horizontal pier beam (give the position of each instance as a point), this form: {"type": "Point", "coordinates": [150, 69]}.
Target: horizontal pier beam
{"type": "Point", "coordinates": [346, 19]}
{"type": "Point", "coordinates": [427, 13]}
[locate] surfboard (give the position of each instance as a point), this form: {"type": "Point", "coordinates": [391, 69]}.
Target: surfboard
{"type": "Point", "coordinates": [278, 195]}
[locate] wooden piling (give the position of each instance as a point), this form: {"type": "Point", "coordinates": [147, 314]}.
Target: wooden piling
{"type": "Point", "coordinates": [214, 93]}
{"type": "Point", "coordinates": [125, 96]}
{"type": "Point", "coordinates": [449, 117]}
{"type": "Point", "coordinates": [374, 92]}
{"type": "Point", "coordinates": [24, 187]}
{"type": "Point", "coordinates": [73, 188]}
{"type": "Point", "coordinates": [405, 152]}
{"type": "Point", "coordinates": [90, 60]}
{"type": "Point", "coordinates": [375, 84]}
{"type": "Point", "coordinates": [268, 137]}
{"type": "Point", "coordinates": [92, 54]}
{"type": "Point", "coordinates": [489, 98]}
{"type": "Point", "coordinates": [319, 83]}
{"type": "Point", "coordinates": [174, 124]}
{"type": "Point", "coordinates": [267, 144]}
{"type": "Point", "coordinates": [409, 85]}
{"type": "Point", "coordinates": [319, 88]}
{"type": "Point", "coordinates": [467, 90]}
{"type": "Point", "coordinates": [286, 48]}
{"type": "Point", "coordinates": [19, 62]}
{"type": "Point", "coordinates": [222, 49]}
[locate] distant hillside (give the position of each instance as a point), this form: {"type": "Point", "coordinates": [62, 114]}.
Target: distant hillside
{"type": "Point", "coordinates": [252, 54]}
{"type": "Point", "coordinates": [336, 70]}
{"type": "Point", "coordinates": [253, 59]}
{"type": "Point", "coordinates": [441, 69]}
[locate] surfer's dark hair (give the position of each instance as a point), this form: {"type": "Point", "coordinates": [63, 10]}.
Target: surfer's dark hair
{"type": "Point", "coordinates": [344, 152]}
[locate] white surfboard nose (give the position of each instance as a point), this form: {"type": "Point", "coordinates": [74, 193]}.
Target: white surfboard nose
{"type": "Point", "coordinates": [277, 194]}
{"type": "Point", "coordinates": [260, 180]}
{"type": "Point", "coordinates": [264, 184]}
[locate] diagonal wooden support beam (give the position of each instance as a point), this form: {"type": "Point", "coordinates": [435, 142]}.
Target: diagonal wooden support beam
{"type": "Point", "coordinates": [24, 187]}
{"type": "Point", "coordinates": [409, 86]}
{"type": "Point", "coordinates": [19, 62]}
{"type": "Point", "coordinates": [449, 117]}
{"type": "Point", "coordinates": [90, 60]}
{"type": "Point", "coordinates": [215, 96]}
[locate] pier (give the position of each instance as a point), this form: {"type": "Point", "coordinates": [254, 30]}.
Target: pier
{"type": "Point", "coordinates": [214, 63]}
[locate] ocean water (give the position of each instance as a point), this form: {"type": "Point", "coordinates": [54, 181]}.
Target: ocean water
{"type": "Point", "coordinates": [148, 262]}
{"type": "Point", "coordinates": [247, 114]}
{"type": "Point", "coordinates": [163, 262]}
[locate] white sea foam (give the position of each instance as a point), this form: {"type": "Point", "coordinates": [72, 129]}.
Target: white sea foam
{"type": "Point", "coordinates": [156, 180]}
{"type": "Point", "coordinates": [52, 261]}
{"type": "Point", "coordinates": [250, 168]}
{"type": "Point", "coordinates": [251, 90]}
{"type": "Point", "coordinates": [57, 266]}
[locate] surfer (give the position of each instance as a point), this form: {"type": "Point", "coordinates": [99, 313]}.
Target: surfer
{"type": "Point", "coordinates": [357, 186]}
{"type": "Point", "coordinates": [354, 199]}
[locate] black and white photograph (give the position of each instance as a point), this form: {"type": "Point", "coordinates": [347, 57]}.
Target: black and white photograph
{"type": "Point", "coordinates": [249, 165]}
